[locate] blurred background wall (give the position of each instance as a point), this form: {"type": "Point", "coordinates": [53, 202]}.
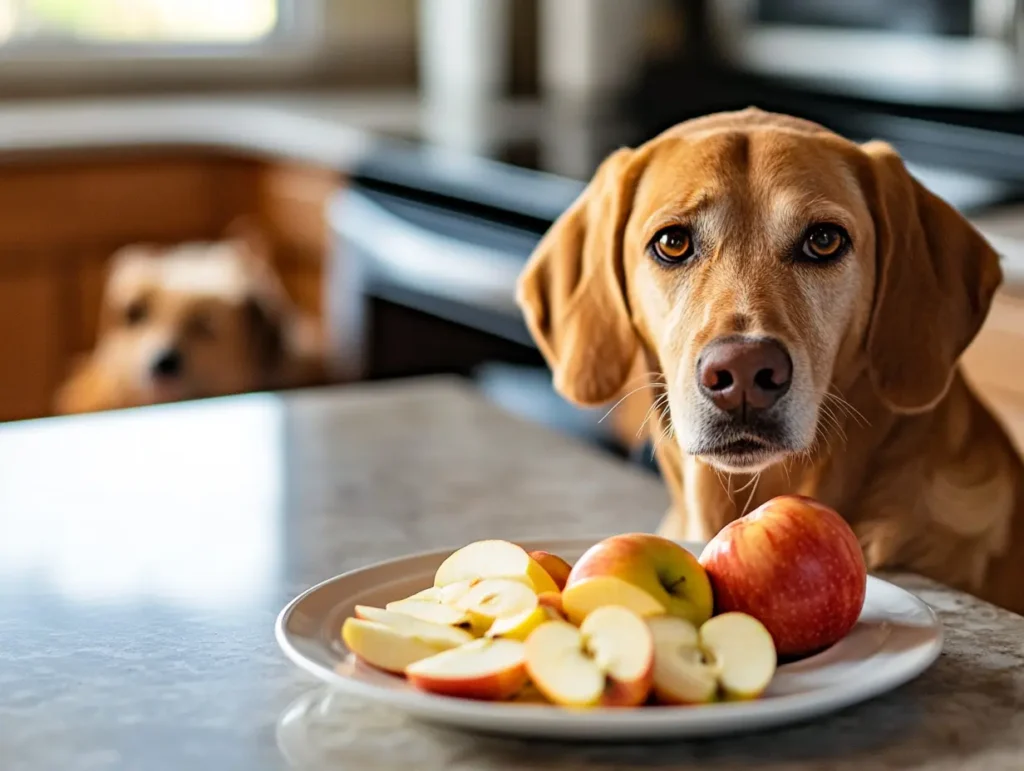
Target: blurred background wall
{"type": "Point", "coordinates": [404, 156]}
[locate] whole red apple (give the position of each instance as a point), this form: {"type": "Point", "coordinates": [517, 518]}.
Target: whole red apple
{"type": "Point", "coordinates": [796, 566]}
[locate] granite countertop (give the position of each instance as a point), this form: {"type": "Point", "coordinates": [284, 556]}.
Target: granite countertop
{"type": "Point", "coordinates": [145, 554]}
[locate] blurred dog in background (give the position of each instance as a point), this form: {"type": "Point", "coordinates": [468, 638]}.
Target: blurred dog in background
{"type": "Point", "coordinates": [190, 321]}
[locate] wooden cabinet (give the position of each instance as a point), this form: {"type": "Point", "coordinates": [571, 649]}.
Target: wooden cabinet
{"type": "Point", "coordinates": [994, 363]}
{"type": "Point", "coordinates": [62, 217]}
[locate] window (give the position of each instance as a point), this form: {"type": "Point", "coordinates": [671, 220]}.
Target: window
{"type": "Point", "coordinates": [157, 22]}
{"type": "Point", "coordinates": [75, 39]}
{"type": "Point", "coordinates": [82, 47]}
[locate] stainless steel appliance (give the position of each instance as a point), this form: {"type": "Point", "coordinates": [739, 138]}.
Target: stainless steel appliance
{"type": "Point", "coordinates": [964, 53]}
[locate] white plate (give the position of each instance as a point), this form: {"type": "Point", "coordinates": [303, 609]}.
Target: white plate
{"type": "Point", "coordinates": [896, 638]}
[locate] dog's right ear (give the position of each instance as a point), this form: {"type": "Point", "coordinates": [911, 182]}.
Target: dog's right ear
{"type": "Point", "coordinates": [936, 277]}
{"type": "Point", "coordinates": [572, 291]}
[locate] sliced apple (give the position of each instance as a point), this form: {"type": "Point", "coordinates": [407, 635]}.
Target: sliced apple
{"type": "Point", "coordinates": [743, 651]}
{"type": "Point", "coordinates": [494, 559]}
{"type": "Point", "coordinates": [490, 669]}
{"type": "Point", "coordinates": [386, 647]}
{"type": "Point", "coordinates": [498, 598]}
{"type": "Point", "coordinates": [441, 636]}
{"type": "Point", "coordinates": [428, 610]}
{"type": "Point", "coordinates": [681, 673]}
{"type": "Point", "coordinates": [561, 668]}
{"type": "Point", "coordinates": [437, 604]}
{"type": "Point", "coordinates": [430, 594]}
{"type": "Point", "coordinates": [582, 598]}
{"type": "Point", "coordinates": [552, 604]}
{"type": "Point", "coordinates": [555, 566]}
{"type": "Point", "coordinates": [444, 594]}
{"type": "Point", "coordinates": [607, 661]}
{"type": "Point", "coordinates": [452, 593]}
{"type": "Point", "coordinates": [520, 626]}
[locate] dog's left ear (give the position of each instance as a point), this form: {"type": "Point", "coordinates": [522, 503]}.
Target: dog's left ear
{"type": "Point", "coordinates": [935, 278]}
{"type": "Point", "coordinates": [266, 331]}
{"type": "Point", "coordinates": [573, 293]}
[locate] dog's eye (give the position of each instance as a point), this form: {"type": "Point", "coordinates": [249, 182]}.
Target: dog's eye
{"type": "Point", "coordinates": [200, 326]}
{"type": "Point", "coordinates": [825, 242]}
{"type": "Point", "coordinates": [136, 312]}
{"type": "Point", "coordinates": [672, 245]}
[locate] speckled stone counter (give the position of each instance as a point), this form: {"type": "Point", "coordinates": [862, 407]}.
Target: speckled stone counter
{"type": "Point", "coordinates": [144, 556]}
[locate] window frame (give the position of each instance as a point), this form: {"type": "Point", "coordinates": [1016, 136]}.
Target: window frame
{"type": "Point", "coordinates": [295, 46]}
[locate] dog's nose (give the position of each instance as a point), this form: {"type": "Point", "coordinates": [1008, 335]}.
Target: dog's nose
{"type": "Point", "coordinates": [739, 373]}
{"type": "Point", "coordinates": [167, 364]}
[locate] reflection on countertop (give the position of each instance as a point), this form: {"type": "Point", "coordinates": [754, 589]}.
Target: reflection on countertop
{"type": "Point", "coordinates": [145, 554]}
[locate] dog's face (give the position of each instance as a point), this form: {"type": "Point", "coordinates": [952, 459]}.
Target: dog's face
{"type": "Point", "coordinates": [760, 263]}
{"type": "Point", "coordinates": [751, 279]}
{"type": "Point", "coordinates": [191, 322]}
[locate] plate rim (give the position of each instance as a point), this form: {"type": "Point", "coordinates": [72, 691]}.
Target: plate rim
{"type": "Point", "coordinates": [743, 716]}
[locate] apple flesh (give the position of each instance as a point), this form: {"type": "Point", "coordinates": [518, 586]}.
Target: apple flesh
{"type": "Point", "coordinates": [519, 626]}
{"type": "Point", "coordinates": [681, 673]}
{"type": "Point", "coordinates": [392, 641]}
{"type": "Point", "coordinates": [731, 654]}
{"type": "Point", "coordinates": [494, 559]}
{"type": "Point", "coordinates": [498, 598]}
{"type": "Point", "coordinates": [438, 604]}
{"type": "Point", "coordinates": [607, 661]}
{"type": "Point", "coordinates": [427, 610]}
{"type": "Point", "coordinates": [489, 669]}
{"type": "Point", "coordinates": [796, 566]}
{"type": "Point", "coordinates": [743, 653]}
{"type": "Point", "coordinates": [440, 635]}
{"type": "Point", "coordinates": [551, 602]}
{"type": "Point", "coordinates": [445, 595]}
{"type": "Point", "coordinates": [555, 566]}
{"type": "Point", "coordinates": [646, 573]}
{"type": "Point", "coordinates": [583, 597]}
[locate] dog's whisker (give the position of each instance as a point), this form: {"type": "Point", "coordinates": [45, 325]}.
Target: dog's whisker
{"type": "Point", "coordinates": [669, 429]}
{"type": "Point", "coordinates": [832, 421]}
{"type": "Point", "coordinates": [753, 480]}
{"type": "Point", "coordinates": [721, 480]}
{"type": "Point", "coordinates": [750, 498]}
{"type": "Point", "coordinates": [843, 404]}
{"type": "Point", "coordinates": [645, 386]}
{"type": "Point", "coordinates": [655, 406]}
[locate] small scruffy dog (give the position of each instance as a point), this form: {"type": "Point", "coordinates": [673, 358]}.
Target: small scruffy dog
{"type": "Point", "coordinates": [190, 321]}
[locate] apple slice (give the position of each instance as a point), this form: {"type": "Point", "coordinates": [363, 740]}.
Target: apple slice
{"type": "Point", "coordinates": [494, 559]}
{"type": "Point", "coordinates": [498, 598]}
{"type": "Point", "coordinates": [555, 566]}
{"type": "Point", "coordinates": [437, 604]}
{"type": "Point", "coordinates": [681, 673]}
{"type": "Point", "coordinates": [552, 604]}
{"type": "Point", "coordinates": [743, 651]}
{"type": "Point", "coordinates": [582, 598]}
{"type": "Point", "coordinates": [444, 594]}
{"type": "Point", "coordinates": [607, 661]}
{"type": "Point", "coordinates": [430, 594]}
{"type": "Point", "coordinates": [386, 647]}
{"type": "Point", "coordinates": [488, 669]}
{"type": "Point", "coordinates": [520, 626]}
{"type": "Point", "coordinates": [427, 610]}
{"type": "Point", "coordinates": [441, 636]}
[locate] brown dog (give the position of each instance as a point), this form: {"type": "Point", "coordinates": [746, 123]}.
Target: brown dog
{"type": "Point", "coordinates": [191, 321]}
{"type": "Point", "coordinates": [801, 303]}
